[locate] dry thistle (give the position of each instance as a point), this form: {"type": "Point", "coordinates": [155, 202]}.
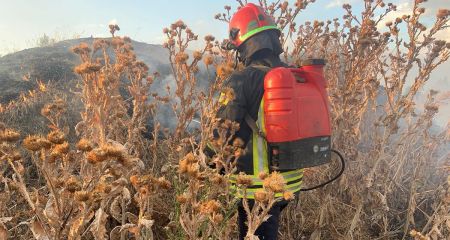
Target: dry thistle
{"type": "Point", "coordinates": [62, 148]}
{"type": "Point", "coordinates": [56, 137]}
{"type": "Point", "coordinates": [35, 143]}
{"type": "Point", "coordinates": [443, 13]}
{"type": "Point", "coordinates": [83, 48]}
{"type": "Point", "coordinates": [288, 195]}
{"type": "Point", "coordinates": [15, 155]}
{"type": "Point", "coordinates": [97, 155]}
{"type": "Point", "coordinates": [87, 68]}
{"type": "Point", "coordinates": [274, 182]}
{"type": "Point", "coordinates": [73, 184]}
{"type": "Point", "coordinates": [84, 145]}
{"type": "Point", "coordinates": [163, 183]}
{"type": "Point", "coordinates": [243, 179]}
{"type": "Point", "coordinates": [82, 196]}
{"type": "Point", "coordinates": [181, 57]}
{"type": "Point", "coordinates": [261, 196]}
{"type": "Point", "coordinates": [186, 162]}
{"type": "Point", "coordinates": [218, 179]}
{"type": "Point", "coordinates": [263, 175]}
{"type": "Point", "coordinates": [210, 207]}
{"type": "Point", "coordinates": [208, 60]}
{"type": "Point", "coordinates": [182, 199]}
{"type": "Point", "coordinates": [197, 55]}
{"type": "Point", "coordinates": [217, 218]}
{"type": "Point", "coordinates": [9, 135]}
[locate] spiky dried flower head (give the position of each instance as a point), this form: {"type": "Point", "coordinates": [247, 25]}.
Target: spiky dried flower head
{"type": "Point", "coordinates": [62, 148]}
{"type": "Point", "coordinates": [197, 55]}
{"type": "Point", "coordinates": [82, 48]}
{"type": "Point", "coordinates": [181, 57]}
{"type": "Point", "coordinates": [238, 142]}
{"type": "Point", "coordinates": [84, 145]}
{"type": "Point", "coordinates": [208, 60]}
{"type": "Point", "coordinates": [274, 182]}
{"type": "Point", "coordinates": [126, 39]}
{"type": "Point", "coordinates": [56, 137]}
{"type": "Point", "coordinates": [97, 155]}
{"type": "Point", "coordinates": [209, 38]}
{"type": "Point", "coordinates": [100, 44]}
{"type": "Point", "coordinates": [210, 207]}
{"type": "Point", "coordinates": [182, 198]}
{"type": "Point", "coordinates": [163, 183]}
{"type": "Point", "coordinates": [134, 180]}
{"type": "Point", "coordinates": [244, 179]}
{"type": "Point", "coordinates": [417, 235]}
{"type": "Point", "coordinates": [224, 70]}
{"type": "Point", "coordinates": [218, 179]}
{"type": "Point", "coordinates": [9, 135]}
{"type": "Point", "coordinates": [443, 13]}
{"type": "Point", "coordinates": [113, 27]}
{"type": "Point", "coordinates": [263, 175]}
{"type": "Point", "coordinates": [288, 195]}
{"type": "Point", "coordinates": [73, 184]}
{"type": "Point", "coordinates": [185, 162]}
{"type": "Point", "coordinates": [217, 218]}
{"type": "Point", "coordinates": [57, 107]}
{"type": "Point", "coordinates": [112, 150]}
{"type": "Point", "coordinates": [54, 156]}
{"type": "Point", "coordinates": [15, 155]}
{"type": "Point", "coordinates": [82, 196]}
{"type": "Point", "coordinates": [87, 68]}
{"type": "Point", "coordinates": [261, 196]}
{"type": "Point", "coordinates": [35, 143]}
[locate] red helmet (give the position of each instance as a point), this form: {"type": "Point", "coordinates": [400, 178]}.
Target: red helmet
{"type": "Point", "coordinates": [248, 21]}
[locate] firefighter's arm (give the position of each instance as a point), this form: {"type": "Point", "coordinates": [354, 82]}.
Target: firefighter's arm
{"type": "Point", "coordinates": [232, 105]}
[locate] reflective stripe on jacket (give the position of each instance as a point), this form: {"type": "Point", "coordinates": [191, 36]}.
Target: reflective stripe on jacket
{"type": "Point", "coordinates": [293, 179]}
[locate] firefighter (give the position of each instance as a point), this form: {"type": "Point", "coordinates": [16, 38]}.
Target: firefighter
{"type": "Point", "coordinates": [255, 37]}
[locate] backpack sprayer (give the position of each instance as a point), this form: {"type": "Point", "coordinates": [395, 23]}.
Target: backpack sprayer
{"type": "Point", "coordinates": [297, 118]}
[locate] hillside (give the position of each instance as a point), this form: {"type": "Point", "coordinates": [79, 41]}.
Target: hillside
{"type": "Point", "coordinates": [20, 70]}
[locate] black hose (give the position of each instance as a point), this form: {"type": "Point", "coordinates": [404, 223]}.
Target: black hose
{"type": "Point", "coordinates": [334, 178]}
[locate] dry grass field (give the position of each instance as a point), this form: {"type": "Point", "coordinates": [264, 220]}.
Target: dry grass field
{"type": "Point", "coordinates": [103, 167]}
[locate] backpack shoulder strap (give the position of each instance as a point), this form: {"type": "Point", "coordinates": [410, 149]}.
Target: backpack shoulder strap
{"type": "Point", "coordinates": [248, 119]}
{"type": "Point", "coordinates": [261, 67]}
{"type": "Point", "coordinates": [252, 124]}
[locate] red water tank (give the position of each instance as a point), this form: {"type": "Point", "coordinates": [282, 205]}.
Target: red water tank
{"type": "Point", "coordinates": [296, 114]}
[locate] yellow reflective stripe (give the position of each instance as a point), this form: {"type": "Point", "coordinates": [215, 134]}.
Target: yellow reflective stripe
{"type": "Point", "coordinates": [251, 192]}
{"type": "Point", "coordinates": [295, 188]}
{"type": "Point", "coordinates": [263, 120]}
{"type": "Point", "coordinates": [261, 164]}
{"type": "Point", "coordinates": [255, 155]}
{"type": "Point", "coordinates": [262, 144]}
{"type": "Point", "coordinates": [292, 175]}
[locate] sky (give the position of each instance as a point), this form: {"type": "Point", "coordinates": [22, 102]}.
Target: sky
{"type": "Point", "coordinates": [22, 22]}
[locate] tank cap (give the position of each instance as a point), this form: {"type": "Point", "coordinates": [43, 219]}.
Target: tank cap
{"type": "Point", "coordinates": [313, 61]}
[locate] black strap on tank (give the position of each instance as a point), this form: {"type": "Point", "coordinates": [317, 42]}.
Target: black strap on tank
{"type": "Point", "coordinates": [252, 124]}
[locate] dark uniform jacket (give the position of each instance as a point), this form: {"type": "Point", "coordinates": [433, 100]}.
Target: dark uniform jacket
{"type": "Point", "coordinates": [248, 87]}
